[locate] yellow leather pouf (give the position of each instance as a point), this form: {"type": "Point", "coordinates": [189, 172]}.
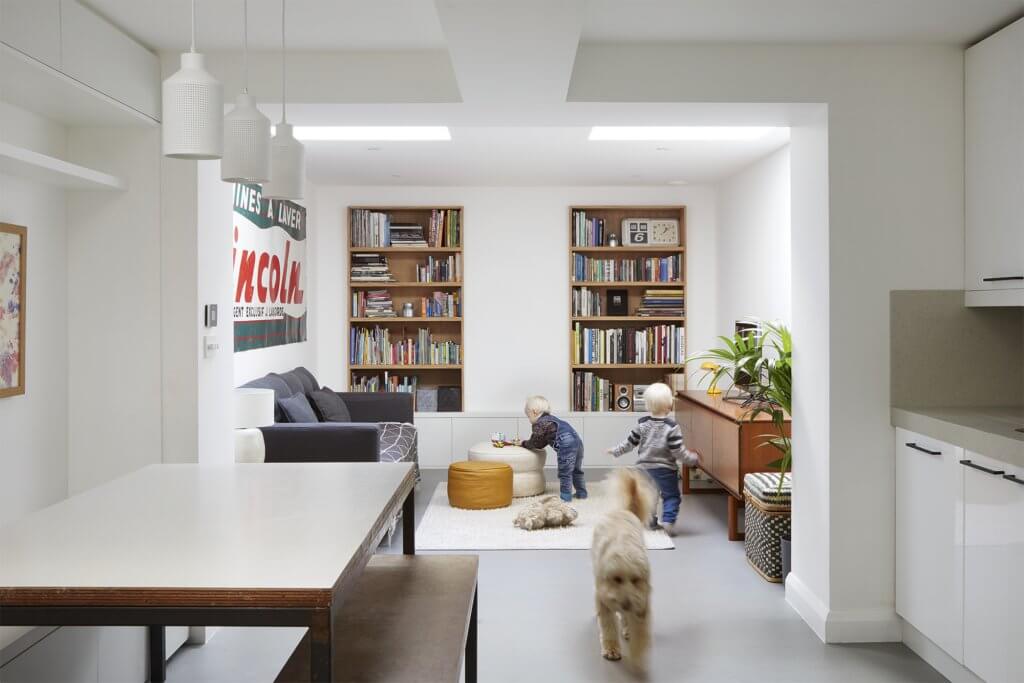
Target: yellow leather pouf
{"type": "Point", "coordinates": [478, 485]}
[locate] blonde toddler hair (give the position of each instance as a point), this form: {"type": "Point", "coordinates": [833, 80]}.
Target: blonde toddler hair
{"type": "Point", "coordinates": [536, 406]}
{"type": "Point", "coordinates": [658, 399]}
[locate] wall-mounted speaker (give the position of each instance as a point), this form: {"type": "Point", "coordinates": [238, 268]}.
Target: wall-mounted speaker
{"type": "Point", "coordinates": [623, 397]}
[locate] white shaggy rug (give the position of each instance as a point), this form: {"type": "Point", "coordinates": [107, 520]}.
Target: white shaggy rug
{"type": "Point", "coordinates": [446, 528]}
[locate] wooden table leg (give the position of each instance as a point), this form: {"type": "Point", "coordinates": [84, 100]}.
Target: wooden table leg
{"type": "Point", "coordinates": [409, 524]}
{"type": "Point", "coordinates": [321, 646]}
{"type": "Point", "coordinates": [157, 654]}
{"type": "Point", "coordinates": [471, 639]}
{"type": "Point", "coordinates": [685, 476]}
{"type": "Point", "coordinates": [734, 505]}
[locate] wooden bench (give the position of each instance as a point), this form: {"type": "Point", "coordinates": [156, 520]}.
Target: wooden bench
{"type": "Point", "coordinates": [410, 619]}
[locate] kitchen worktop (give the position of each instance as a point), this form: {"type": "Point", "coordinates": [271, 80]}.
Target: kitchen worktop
{"type": "Point", "coordinates": [989, 431]}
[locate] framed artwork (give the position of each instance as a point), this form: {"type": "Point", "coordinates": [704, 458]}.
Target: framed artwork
{"type": "Point", "coordinates": [13, 244]}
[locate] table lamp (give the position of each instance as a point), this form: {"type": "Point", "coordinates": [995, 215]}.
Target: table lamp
{"type": "Point", "coordinates": [713, 389]}
{"type": "Point", "coordinates": [254, 408]}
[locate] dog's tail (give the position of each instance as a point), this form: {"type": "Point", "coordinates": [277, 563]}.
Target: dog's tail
{"type": "Point", "coordinates": [633, 492]}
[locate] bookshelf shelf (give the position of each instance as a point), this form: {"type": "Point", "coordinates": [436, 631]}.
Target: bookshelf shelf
{"type": "Point", "coordinates": [594, 386]}
{"type": "Point", "coordinates": [370, 225]}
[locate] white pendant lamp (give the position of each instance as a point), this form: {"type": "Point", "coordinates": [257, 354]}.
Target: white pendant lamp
{"type": "Point", "coordinates": [287, 155]}
{"type": "Point", "coordinates": [246, 129]}
{"type": "Point", "coordinates": [193, 108]}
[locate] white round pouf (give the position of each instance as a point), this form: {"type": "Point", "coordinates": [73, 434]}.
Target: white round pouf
{"type": "Point", "coordinates": [527, 466]}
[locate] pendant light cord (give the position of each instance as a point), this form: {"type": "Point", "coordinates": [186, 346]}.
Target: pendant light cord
{"type": "Point", "coordinates": [284, 116]}
{"type": "Point", "coordinates": [193, 47]}
{"type": "Point", "coordinates": [245, 46]}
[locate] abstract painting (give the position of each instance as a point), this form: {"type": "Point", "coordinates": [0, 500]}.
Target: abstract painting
{"type": "Point", "coordinates": [12, 309]}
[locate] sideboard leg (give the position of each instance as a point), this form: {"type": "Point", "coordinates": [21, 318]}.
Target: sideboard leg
{"type": "Point", "coordinates": [734, 507]}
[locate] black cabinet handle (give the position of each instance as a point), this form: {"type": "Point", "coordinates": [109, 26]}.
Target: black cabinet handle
{"type": "Point", "coordinates": [1015, 480]}
{"type": "Point", "coordinates": [923, 450]}
{"type": "Point", "coordinates": [1002, 279]}
{"type": "Point", "coordinates": [979, 467]}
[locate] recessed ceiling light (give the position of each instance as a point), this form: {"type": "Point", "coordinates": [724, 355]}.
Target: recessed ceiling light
{"type": "Point", "coordinates": [373, 149]}
{"type": "Point", "coordinates": [679, 182]}
{"type": "Point", "coordinates": [684, 133]}
{"type": "Point", "coordinates": [373, 133]}
{"type": "Point", "coordinates": [661, 149]}
{"type": "Point", "coordinates": [396, 175]}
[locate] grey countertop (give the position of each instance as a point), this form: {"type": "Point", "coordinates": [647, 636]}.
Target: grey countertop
{"type": "Point", "coordinates": [987, 431]}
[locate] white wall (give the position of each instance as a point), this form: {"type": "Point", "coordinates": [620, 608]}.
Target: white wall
{"type": "Point", "coordinates": [895, 221]}
{"type": "Point", "coordinates": [753, 228]}
{"type": "Point", "coordinates": [516, 328]}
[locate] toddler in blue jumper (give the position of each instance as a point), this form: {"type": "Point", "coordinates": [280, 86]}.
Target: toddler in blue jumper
{"type": "Point", "coordinates": [548, 430]}
{"type": "Point", "coordinates": [660, 450]}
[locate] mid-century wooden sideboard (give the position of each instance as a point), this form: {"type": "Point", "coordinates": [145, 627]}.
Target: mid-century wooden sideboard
{"type": "Point", "coordinates": [729, 442]}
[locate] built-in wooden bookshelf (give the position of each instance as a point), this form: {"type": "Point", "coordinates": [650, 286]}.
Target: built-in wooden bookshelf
{"type": "Point", "coordinates": [404, 285]}
{"type": "Point", "coordinates": [670, 262]}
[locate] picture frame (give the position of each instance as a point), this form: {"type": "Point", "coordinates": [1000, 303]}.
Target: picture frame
{"type": "Point", "coordinates": [13, 264]}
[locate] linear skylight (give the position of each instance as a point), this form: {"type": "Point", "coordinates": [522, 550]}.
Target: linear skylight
{"type": "Point", "coordinates": [679, 133]}
{"type": "Point", "coordinates": [372, 133]}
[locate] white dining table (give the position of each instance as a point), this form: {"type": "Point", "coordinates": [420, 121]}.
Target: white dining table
{"type": "Point", "coordinates": [268, 544]}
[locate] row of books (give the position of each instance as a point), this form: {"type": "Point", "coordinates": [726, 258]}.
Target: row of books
{"type": "Point", "coordinates": [448, 269]}
{"type": "Point", "coordinates": [370, 228]}
{"type": "Point", "coordinates": [370, 268]}
{"type": "Point", "coordinates": [586, 301]}
{"type": "Point", "coordinates": [408, 236]}
{"type": "Point", "coordinates": [372, 303]}
{"type": "Point", "coordinates": [587, 232]}
{"type": "Point", "coordinates": [639, 269]}
{"type": "Point", "coordinates": [591, 393]}
{"type": "Point", "coordinates": [441, 305]}
{"type": "Point", "coordinates": [378, 346]}
{"type": "Point", "coordinates": [657, 344]}
{"type": "Point", "coordinates": [445, 228]}
{"type": "Point", "coordinates": [661, 302]}
{"type": "Point", "coordinates": [390, 384]}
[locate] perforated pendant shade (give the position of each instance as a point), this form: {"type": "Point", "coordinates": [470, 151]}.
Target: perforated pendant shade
{"type": "Point", "coordinates": [246, 143]}
{"type": "Point", "coordinates": [193, 112]}
{"type": "Point", "coordinates": [287, 165]}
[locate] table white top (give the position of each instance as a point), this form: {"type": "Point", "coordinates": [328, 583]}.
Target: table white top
{"type": "Point", "coordinates": [187, 528]}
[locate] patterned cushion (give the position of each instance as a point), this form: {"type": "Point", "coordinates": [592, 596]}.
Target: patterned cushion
{"type": "Point", "coordinates": [398, 443]}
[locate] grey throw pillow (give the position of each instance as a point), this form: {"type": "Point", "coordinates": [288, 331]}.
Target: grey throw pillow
{"type": "Point", "coordinates": [329, 406]}
{"type": "Point", "coordinates": [296, 408]}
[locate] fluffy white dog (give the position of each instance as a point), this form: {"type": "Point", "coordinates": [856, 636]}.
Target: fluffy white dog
{"type": "Point", "coordinates": [622, 572]}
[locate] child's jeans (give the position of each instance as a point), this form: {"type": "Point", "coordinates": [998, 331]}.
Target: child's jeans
{"type": "Point", "coordinates": [570, 467]}
{"type": "Point", "coordinates": [667, 481]}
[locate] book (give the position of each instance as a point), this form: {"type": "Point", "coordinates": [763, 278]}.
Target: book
{"type": "Point", "coordinates": [373, 303]}
{"type": "Point", "coordinates": [370, 228]}
{"type": "Point", "coordinates": [638, 269]}
{"type": "Point", "coordinates": [655, 344]}
{"type": "Point", "coordinates": [587, 232]}
{"type": "Point", "coordinates": [380, 346]}
{"type": "Point", "coordinates": [370, 268]}
{"type": "Point", "coordinates": [407, 236]}
{"type": "Point", "coordinates": [446, 269]}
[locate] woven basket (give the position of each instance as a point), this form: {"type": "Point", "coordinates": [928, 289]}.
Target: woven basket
{"type": "Point", "coordinates": [766, 518]}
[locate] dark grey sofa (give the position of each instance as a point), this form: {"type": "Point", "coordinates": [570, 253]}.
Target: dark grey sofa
{"type": "Point", "coordinates": [376, 432]}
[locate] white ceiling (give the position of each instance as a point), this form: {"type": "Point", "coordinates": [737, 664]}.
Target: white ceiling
{"type": "Point", "coordinates": [408, 24]}
{"type": "Point", "coordinates": [523, 156]}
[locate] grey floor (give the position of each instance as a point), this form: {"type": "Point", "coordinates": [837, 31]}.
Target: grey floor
{"type": "Point", "coordinates": [714, 620]}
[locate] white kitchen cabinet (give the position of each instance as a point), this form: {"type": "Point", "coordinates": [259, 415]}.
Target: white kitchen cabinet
{"type": "Point", "coordinates": [32, 28]}
{"type": "Point", "coordinates": [929, 539]}
{"type": "Point", "coordinates": [994, 157]}
{"type": "Point", "coordinates": [993, 560]}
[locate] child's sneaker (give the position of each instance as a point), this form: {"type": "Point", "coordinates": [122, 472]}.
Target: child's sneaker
{"type": "Point", "coordinates": [670, 528]}
{"type": "Point", "coordinates": [566, 497]}
{"type": "Point", "coordinates": [582, 495]}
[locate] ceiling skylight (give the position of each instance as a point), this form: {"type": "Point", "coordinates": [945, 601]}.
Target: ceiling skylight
{"type": "Point", "coordinates": [373, 133]}
{"type": "Point", "coordinates": [679, 133]}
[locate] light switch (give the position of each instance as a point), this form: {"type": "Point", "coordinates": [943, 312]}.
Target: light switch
{"type": "Point", "coordinates": [210, 345]}
{"type": "Point", "coordinates": [210, 315]}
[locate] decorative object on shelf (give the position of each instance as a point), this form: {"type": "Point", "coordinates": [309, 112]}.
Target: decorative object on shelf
{"type": "Point", "coordinates": [708, 366]}
{"type": "Point", "coordinates": [193, 108]}
{"type": "Point", "coordinates": [618, 302]}
{"type": "Point", "coordinates": [498, 439]}
{"type": "Point", "coordinates": [623, 397]}
{"type": "Point", "coordinates": [287, 155]}
{"type": "Point", "coordinates": [253, 408]}
{"type": "Point", "coordinates": [613, 240]}
{"type": "Point", "coordinates": [407, 311]}
{"type": "Point", "coordinates": [650, 232]}
{"type": "Point", "coordinates": [246, 129]}
{"type": "Point", "coordinates": [426, 399]}
{"type": "Point", "coordinates": [13, 250]}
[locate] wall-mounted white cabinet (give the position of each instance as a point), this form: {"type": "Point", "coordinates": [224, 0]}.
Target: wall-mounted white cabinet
{"type": "Point", "coordinates": [994, 181]}
{"type": "Point", "coordinates": [929, 539]}
{"type": "Point", "coordinates": [993, 559]}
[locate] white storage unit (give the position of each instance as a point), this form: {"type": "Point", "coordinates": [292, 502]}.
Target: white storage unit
{"type": "Point", "coordinates": [929, 539]}
{"type": "Point", "coordinates": [993, 497]}
{"type": "Point", "coordinates": [434, 439]}
{"type": "Point", "coordinates": [994, 156]}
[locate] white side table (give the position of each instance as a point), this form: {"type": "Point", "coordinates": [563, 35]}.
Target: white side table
{"type": "Point", "coordinates": [527, 466]}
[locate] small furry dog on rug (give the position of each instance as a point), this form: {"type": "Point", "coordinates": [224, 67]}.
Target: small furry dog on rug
{"type": "Point", "coordinates": [622, 572]}
{"type": "Point", "coordinates": [548, 511]}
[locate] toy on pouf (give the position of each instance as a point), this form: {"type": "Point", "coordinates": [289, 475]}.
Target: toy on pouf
{"type": "Point", "coordinates": [549, 511]}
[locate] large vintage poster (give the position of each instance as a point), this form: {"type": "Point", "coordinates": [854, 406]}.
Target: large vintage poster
{"type": "Point", "coordinates": [269, 266]}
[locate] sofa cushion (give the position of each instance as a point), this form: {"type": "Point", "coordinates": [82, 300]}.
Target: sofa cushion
{"type": "Point", "coordinates": [398, 442]}
{"type": "Point", "coordinates": [278, 386]}
{"type": "Point", "coordinates": [329, 406]}
{"type": "Point", "coordinates": [309, 383]}
{"type": "Point", "coordinates": [296, 408]}
{"type": "Point", "coordinates": [293, 382]}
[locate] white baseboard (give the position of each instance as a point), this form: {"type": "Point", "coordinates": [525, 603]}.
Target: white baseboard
{"type": "Point", "coordinates": [873, 625]}
{"type": "Point", "coordinates": [935, 656]}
